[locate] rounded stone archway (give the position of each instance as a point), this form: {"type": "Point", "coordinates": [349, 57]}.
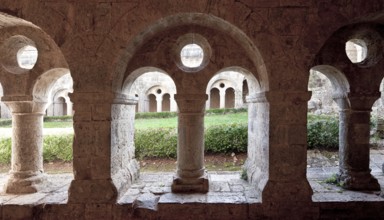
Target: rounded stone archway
{"type": "Point", "coordinates": [32, 61]}
{"type": "Point", "coordinates": [191, 173]}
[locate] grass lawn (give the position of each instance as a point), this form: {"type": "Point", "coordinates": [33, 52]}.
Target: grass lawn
{"type": "Point", "coordinates": [58, 124]}
{"type": "Point", "coordinates": [209, 120]}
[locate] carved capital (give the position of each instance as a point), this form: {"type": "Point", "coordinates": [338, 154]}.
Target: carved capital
{"type": "Point", "coordinates": [191, 103]}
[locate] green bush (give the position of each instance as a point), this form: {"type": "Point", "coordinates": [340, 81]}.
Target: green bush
{"type": "Point", "coordinates": [226, 138]}
{"type": "Point", "coordinates": [218, 139]}
{"type": "Point", "coordinates": [55, 147]}
{"type": "Point", "coordinates": [323, 132]}
{"type": "Point", "coordinates": [220, 111]}
{"type": "Point", "coordinates": [66, 118]}
{"type": "Point", "coordinates": [5, 150]}
{"type": "Point", "coordinates": [156, 142]}
{"type": "Point", "coordinates": [6, 123]}
{"type": "Point", "coordinates": [144, 115]}
{"type": "Point", "coordinates": [58, 147]}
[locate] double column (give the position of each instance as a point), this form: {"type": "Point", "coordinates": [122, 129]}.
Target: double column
{"type": "Point", "coordinates": [191, 175]}
{"type": "Point", "coordinates": [354, 134]}
{"type": "Point", "coordinates": [26, 174]}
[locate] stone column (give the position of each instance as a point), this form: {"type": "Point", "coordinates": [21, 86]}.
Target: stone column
{"type": "Point", "coordinates": [256, 164]}
{"type": "Point", "coordinates": [222, 98]}
{"type": "Point", "coordinates": [173, 103]}
{"type": "Point", "coordinates": [26, 174]}
{"type": "Point", "coordinates": [354, 132]}
{"type": "Point", "coordinates": [159, 103]}
{"type": "Point", "coordinates": [124, 167]}
{"type": "Point", "coordinates": [191, 175]}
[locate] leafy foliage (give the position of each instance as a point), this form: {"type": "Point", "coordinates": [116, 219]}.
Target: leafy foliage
{"type": "Point", "coordinates": [323, 132]}
{"type": "Point", "coordinates": [5, 123]}
{"type": "Point", "coordinates": [5, 150]}
{"type": "Point", "coordinates": [226, 138]}
{"type": "Point", "coordinates": [160, 142]}
{"type": "Point", "coordinates": [55, 147]}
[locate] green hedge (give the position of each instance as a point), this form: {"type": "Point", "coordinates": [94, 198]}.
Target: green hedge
{"type": "Point", "coordinates": [58, 147]}
{"type": "Point", "coordinates": [226, 138]}
{"type": "Point", "coordinates": [144, 115]}
{"type": "Point", "coordinates": [156, 142]}
{"type": "Point", "coordinates": [55, 148]}
{"type": "Point", "coordinates": [218, 139]}
{"type": "Point", "coordinates": [66, 118]}
{"type": "Point", "coordinates": [6, 122]}
{"type": "Point", "coordinates": [323, 133]}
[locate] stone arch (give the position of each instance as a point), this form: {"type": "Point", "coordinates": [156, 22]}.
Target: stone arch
{"type": "Point", "coordinates": [28, 100]}
{"type": "Point", "coordinates": [354, 98]}
{"type": "Point", "coordinates": [145, 49]}
{"type": "Point", "coordinates": [191, 19]}
{"type": "Point", "coordinates": [148, 84]}
{"type": "Point", "coordinates": [166, 103]}
{"type": "Point", "coordinates": [245, 90]}
{"type": "Point", "coordinates": [338, 80]}
{"type": "Point", "coordinates": [61, 104]}
{"type": "Point", "coordinates": [49, 55]}
{"type": "Point", "coordinates": [229, 98]}
{"type": "Point", "coordinates": [257, 162]}
{"type": "Point", "coordinates": [214, 97]}
{"type": "Point", "coordinates": [122, 129]}
{"type": "Point", "coordinates": [152, 103]}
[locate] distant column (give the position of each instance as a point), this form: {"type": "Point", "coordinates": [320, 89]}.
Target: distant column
{"type": "Point", "coordinates": [222, 98]}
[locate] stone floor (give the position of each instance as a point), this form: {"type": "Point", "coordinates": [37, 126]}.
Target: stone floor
{"type": "Point", "coordinates": [225, 187]}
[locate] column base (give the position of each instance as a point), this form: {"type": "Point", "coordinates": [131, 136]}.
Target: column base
{"type": "Point", "coordinates": [292, 191]}
{"type": "Point", "coordinates": [92, 191]}
{"type": "Point", "coordinates": [190, 185]}
{"type": "Point", "coordinates": [358, 181]}
{"type": "Point", "coordinates": [25, 182]}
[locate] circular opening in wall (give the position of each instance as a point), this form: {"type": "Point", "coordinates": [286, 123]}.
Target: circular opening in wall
{"type": "Point", "coordinates": [222, 85]}
{"type": "Point", "coordinates": [27, 57]}
{"type": "Point", "coordinates": [158, 91]}
{"type": "Point", "coordinates": [136, 95]}
{"type": "Point", "coordinates": [19, 54]}
{"type": "Point", "coordinates": [192, 55]}
{"type": "Point", "coordinates": [356, 50]}
{"type": "Point", "coordinates": [191, 52]}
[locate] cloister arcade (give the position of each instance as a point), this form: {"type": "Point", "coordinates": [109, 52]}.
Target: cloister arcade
{"type": "Point", "coordinates": [270, 48]}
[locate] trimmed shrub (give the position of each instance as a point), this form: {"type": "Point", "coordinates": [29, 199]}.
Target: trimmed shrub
{"type": "Point", "coordinates": [65, 118]}
{"type": "Point", "coordinates": [144, 115]}
{"type": "Point", "coordinates": [5, 150]}
{"type": "Point", "coordinates": [6, 123]}
{"type": "Point", "coordinates": [323, 132]}
{"type": "Point", "coordinates": [221, 111]}
{"type": "Point", "coordinates": [226, 138]}
{"type": "Point", "coordinates": [160, 142]}
{"type": "Point", "coordinates": [58, 147]}
{"type": "Point", "coordinates": [55, 148]}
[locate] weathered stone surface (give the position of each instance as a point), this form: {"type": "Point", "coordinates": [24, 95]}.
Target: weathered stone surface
{"type": "Point", "coordinates": [273, 43]}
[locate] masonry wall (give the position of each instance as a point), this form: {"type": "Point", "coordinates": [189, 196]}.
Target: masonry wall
{"type": "Point", "coordinates": [273, 43]}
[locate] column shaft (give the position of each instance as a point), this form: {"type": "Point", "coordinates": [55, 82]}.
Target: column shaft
{"type": "Point", "coordinates": [191, 175]}
{"type": "Point", "coordinates": [27, 157]}
{"type": "Point", "coordinates": [355, 173]}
